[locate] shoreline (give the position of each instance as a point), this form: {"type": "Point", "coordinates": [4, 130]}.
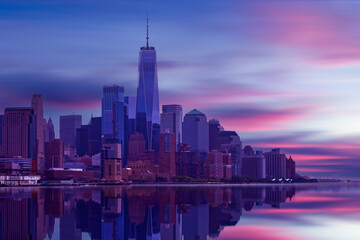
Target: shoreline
{"type": "Point", "coordinates": [219, 184]}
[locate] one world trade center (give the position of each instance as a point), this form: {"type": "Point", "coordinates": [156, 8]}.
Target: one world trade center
{"type": "Point", "coordinates": [147, 101]}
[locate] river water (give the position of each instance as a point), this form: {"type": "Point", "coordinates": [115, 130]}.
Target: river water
{"type": "Point", "coordinates": [312, 211]}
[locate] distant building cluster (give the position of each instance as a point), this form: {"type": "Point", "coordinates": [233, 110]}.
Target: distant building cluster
{"type": "Point", "coordinates": [131, 141]}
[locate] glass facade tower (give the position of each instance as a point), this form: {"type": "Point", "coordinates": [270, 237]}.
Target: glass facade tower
{"type": "Point", "coordinates": [111, 94]}
{"type": "Point", "coordinates": [147, 101]}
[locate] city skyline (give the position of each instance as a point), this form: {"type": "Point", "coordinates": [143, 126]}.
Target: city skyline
{"type": "Point", "coordinates": [321, 137]}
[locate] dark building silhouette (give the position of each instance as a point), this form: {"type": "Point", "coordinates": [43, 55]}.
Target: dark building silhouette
{"type": "Point", "coordinates": [275, 163]}
{"type": "Point", "coordinates": [253, 165]}
{"type": "Point", "coordinates": [68, 126]}
{"type": "Point", "coordinates": [230, 141]}
{"type": "Point", "coordinates": [214, 130]}
{"type": "Point", "coordinates": [82, 138]}
{"type": "Point", "coordinates": [290, 168]}
{"type": "Point", "coordinates": [94, 141]}
{"type": "Point", "coordinates": [49, 131]}
{"type": "Point", "coordinates": [37, 105]}
{"type": "Point", "coordinates": [88, 138]}
{"type": "Point", "coordinates": [19, 133]}
{"type": "Point", "coordinates": [54, 154]}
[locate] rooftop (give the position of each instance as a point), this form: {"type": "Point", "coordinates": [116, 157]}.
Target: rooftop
{"type": "Point", "coordinates": [195, 112]}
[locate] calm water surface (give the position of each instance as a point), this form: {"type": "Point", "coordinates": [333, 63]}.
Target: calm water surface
{"type": "Point", "coordinates": [197, 212]}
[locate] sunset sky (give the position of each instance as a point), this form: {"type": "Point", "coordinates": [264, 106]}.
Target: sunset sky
{"type": "Point", "coordinates": [281, 73]}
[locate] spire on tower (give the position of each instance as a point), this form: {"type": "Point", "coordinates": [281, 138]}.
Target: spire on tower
{"type": "Point", "coordinates": [147, 30]}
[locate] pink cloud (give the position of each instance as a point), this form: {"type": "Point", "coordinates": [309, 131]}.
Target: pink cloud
{"type": "Point", "coordinates": [316, 170]}
{"type": "Point", "coordinates": [327, 35]}
{"type": "Point", "coordinates": [333, 210]}
{"type": "Point", "coordinates": [254, 232]}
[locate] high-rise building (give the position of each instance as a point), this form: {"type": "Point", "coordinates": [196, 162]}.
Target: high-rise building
{"type": "Point", "coordinates": [82, 138]}
{"type": "Point", "coordinates": [111, 165]}
{"type": "Point", "coordinates": [230, 141]}
{"type": "Point", "coordinates": [114, 114]}
{"type": "Point", "coordinates": [214, 130]}
{"type": "Point", "coordinates": [50, 132]}
{"type": "Point", "coordinates": [253, 165]}
{"type": "Point", "coordinates": [19, 133]}
{"type": "Point", "coordinates": [68, 126]}
{"type": "Point", "coordinates": [37, 105]}
{"type": "Point", "coordinates": [147, 101]}
{"type": "Point", "coordinates": [275, 163]}
{"type": "Point", "coordinates": [111, 94]}
{"type": "Point", "coordinates": [290, 168]}
{"type": "Point", "coordinates": [94, 141]}
{"type": "Point", "coordinates": [196, 131]}
{"type": "Point", "coordinates": [54, 154]}
{"type": "Point", "coordinates": [131, 112]}
{"type": "Point", "coordinates": [171, 119]}
{"type": "Point", "coordinates": [167, 167]}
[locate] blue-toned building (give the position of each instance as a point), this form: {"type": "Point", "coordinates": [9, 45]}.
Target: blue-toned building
{"type": "Point", "coordinates": [111, 94]}
{"type": "Point", "coordinates": [196, 131]}
{"type": "Point", "coordinates": [114, 115]}
{"type": "Point", "coordinates": [147, 101]}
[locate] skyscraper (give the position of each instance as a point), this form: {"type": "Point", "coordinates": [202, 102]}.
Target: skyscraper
{"type": "Point", "coordinates": [94, 141]}
{"type": "Point", "coordinates": [37, 105]}
{"type": "Point", "coordinates": [171, 119]}
{"type": "Point", "coordinates": [50, 130]}
{"type": "Point", "coordinates": [19, 133]}
{"type": "Point", "coordinates": [214, 130]}
{"type": "Point", "coordinates": [147, 101]}
{"type": "Point", "coordinates": [196, 131]}
{"type": "Point", "coordinates": [131, 112]}
{"type": "Point", "coordinates": [275, 163]}
{"type": "Point", "coordinates": [290, 168]}
{"type": "Point", "coordinates": [68, 126]}
{"type": "Point", "coordinates": [230, 141]}
{"type": "Point", "coordinates": [82, 138]}
{"type": "Point", "coordinates": [111, 94]}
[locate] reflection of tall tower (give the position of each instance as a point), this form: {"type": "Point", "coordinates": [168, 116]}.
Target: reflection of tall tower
{"type": "Point", "coordinates": [147, 101]}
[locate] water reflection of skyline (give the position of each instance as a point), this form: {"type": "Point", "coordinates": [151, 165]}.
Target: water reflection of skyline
{"type": "Point", "coordinates": [130, 213]}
